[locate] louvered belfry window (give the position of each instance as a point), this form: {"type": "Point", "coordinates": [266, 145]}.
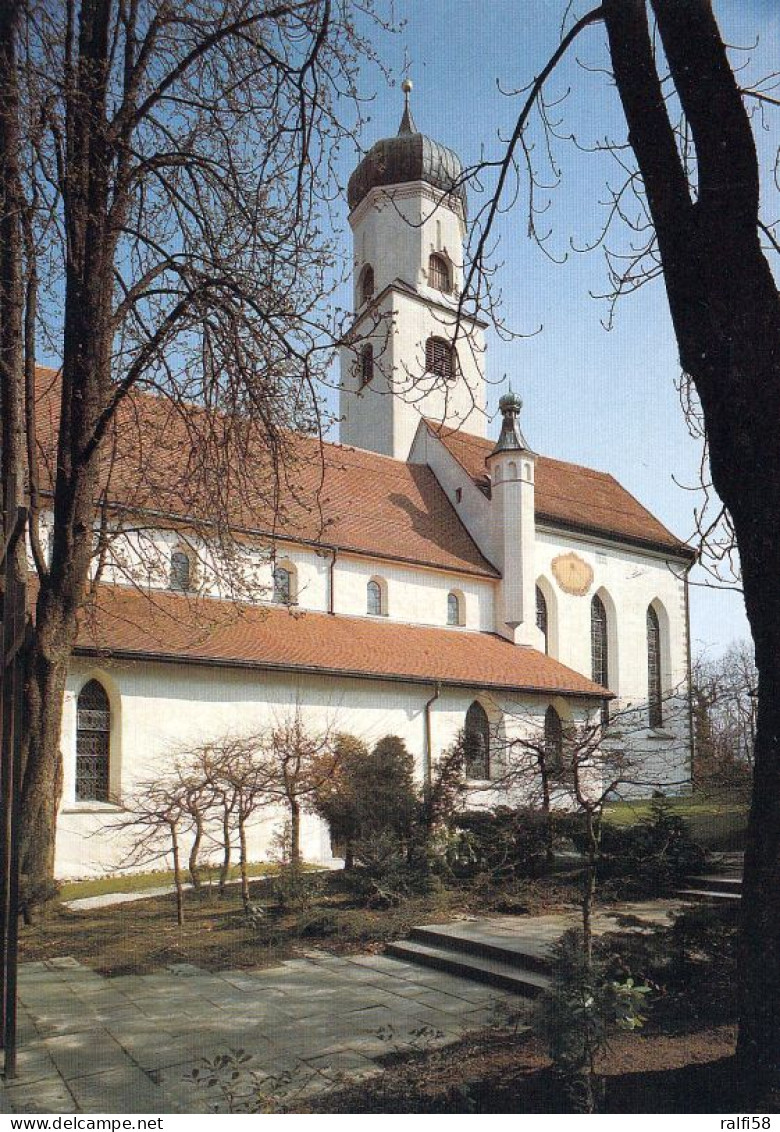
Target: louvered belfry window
{"type": "Point", "coordinates": [654, 696]}
{"type": "Point", "coordinates": [541, 615]}
{"type": "Point", "coordinates": [599, 650]}
{"type": "Point", "coordinates": [367, 283]}
{"type": "Point", "coordinates": [440, 358]}
{"type": "Point", "coordinates": [438, 274]}
{"type": "Point", "coordinates": [93, 743]}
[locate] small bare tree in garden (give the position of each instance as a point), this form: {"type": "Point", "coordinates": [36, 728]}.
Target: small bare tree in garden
{"type": "Point", "coordinates": [293, 763]}
{"type": "Point", "coordinates": [236, 774]}
{"type": "Point", "coordinates": [157, 818]}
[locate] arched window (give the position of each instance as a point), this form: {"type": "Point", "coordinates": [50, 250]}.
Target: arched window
{"type": "Point", "coordinates": [439, 273]}
{"type": "Point", "coordinates": [181, 571]}
{"type": "Point", "coordinates": [599, 650]}
{"type": "Point", "coordinates": [366, 284]}
{"type": "Point", "coordinates": [440, 358]}
{"type": "Point", "coordinates": [453, 610]}
{"type": "Point", "coordinates": [654, 696]}
{"type": "Point", "coordinates": [477, 743]}
{"type": "Point", "coordinates": [541, 615]}
{"type": "Point", "coordinates": [374, 604]}
{"type": "Point", "coordinates": [283, 585]}
{"type": "Point", "coordinates": [553, 741]}
{"type": "Point", "coordinates": [366, 364]}
{"type": "Point", "coordinates": [93, 742]}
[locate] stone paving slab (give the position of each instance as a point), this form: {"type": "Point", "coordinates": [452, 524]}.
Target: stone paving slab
{"type": "Point", "coordinates": [129, 1044]}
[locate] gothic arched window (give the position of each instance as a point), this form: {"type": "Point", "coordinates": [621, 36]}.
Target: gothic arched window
{"type": "Point", "coordinates": [439, 274]}
{"type": "Point", "coordinates": [366, 364]}
{"type": "Point", "coordinates": [553, 741]}
{"type": "Point", "coordinates": [93, 743]}
{"type": "Point", "coordinates": [440, 358]}
{"type": "Point", "coordinates": [453, 609]}
{"type": "Point", "coordinates": [283, 586]}
{"type": "Point", "coordinates": [181, 572]}
{"type": "Point", "coordinates": [477, 743]}
{"type": "Point", "coordinates": [654, 696]}
{"type": "Point", "coordinates": [599, 650]}
{"type": "Point", "coordinates": [366, 284]}
{"type": "Point", "coordinates": [541, 615]}
{"type": "Point", "coordinates": [374, 603]}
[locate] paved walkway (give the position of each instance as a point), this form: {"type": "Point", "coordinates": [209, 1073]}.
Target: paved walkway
{"type": "Point", "coordinates": [129, 1044]}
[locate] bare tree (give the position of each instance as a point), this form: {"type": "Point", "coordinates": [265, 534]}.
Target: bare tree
{"type": "Point", "coordinates": [234, 772]}
{"type": "Point", "coordinates": [725, 715]}
{"type": "Point", "coordinates": [165, 171]}
{"type": "Point", "coordinates": [294, 763]}
{"type": "Point", "coordinates": [157, 816]}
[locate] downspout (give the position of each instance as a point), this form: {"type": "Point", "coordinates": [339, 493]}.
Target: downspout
{"type": "Point", "coordinates": [428, 754]}
{"type": "Point", "coordinates": [331, 574]}
{"type": "Point", "coordinates": [691, 728]}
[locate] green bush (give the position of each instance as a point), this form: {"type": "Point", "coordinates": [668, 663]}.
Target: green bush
{"type": "Point", "coordinates": [577, 1014]}
{"type": "Point", "coordinates": [656, 852]}
{"type": "Point", "coordinates": [505, 843]}
{"type": "Point", "coordinates": [295, 889]}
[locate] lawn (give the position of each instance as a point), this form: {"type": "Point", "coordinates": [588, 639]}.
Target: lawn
{"type": "Point", "coordinates": [142, 936]}
{"type": "Point", "coordinates": [716, 820]}
{"type": "Point", "coordinates": [139, 882]}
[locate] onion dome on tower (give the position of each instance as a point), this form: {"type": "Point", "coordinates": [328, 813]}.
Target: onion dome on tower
{"type": "Point", "coordinates": [409, 156]}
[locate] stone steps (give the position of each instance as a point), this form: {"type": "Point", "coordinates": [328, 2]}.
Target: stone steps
{"type": "Point", "coordinates": [497, 962]}
{"type": "Point", "coordinates": [724, 888]}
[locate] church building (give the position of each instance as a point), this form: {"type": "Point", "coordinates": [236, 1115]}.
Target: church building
{"type": "Point", "coordinates": [446, 579]}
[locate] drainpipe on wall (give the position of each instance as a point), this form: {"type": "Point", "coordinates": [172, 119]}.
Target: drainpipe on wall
{"type": "Point", "coordinates": [331, 602]}
{"type": "Point", "coordinates": [428, 754]}
{"type": "Point", "coordinates": [691, 728]}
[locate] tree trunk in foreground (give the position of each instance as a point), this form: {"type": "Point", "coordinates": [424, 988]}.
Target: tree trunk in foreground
{"type": "Point", "coordinates": [726, 314]}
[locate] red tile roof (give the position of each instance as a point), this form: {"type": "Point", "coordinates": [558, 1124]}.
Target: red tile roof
{"type": "Point", "coordinates": [328, 493]}
{"type": "Point", "coordinates": [161, 625]}
{"type": "Point", "coordinates": [570, 496]}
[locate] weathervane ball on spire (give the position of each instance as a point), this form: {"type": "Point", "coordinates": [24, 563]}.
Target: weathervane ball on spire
{"type": "Point", "coordinates": [407, 86]}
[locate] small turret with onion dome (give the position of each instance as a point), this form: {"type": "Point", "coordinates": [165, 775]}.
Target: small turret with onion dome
{"type": "Point", "coordinates": [511, 468]}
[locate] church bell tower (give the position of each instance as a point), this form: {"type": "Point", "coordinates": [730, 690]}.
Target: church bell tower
{"type": "Point", "coordinates": [407, 355]}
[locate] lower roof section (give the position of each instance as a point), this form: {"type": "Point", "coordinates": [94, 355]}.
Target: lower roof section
{"type": "Point", "coordinates": [159, 625]}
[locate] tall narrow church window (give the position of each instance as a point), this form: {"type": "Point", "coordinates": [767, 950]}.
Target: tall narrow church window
{"type": "Point", "coordinates": [599, 650]}
{"type": "Point", "coordinates": [541, 615]}
{"type": "Point", "coordinates": [453, 609]}
{"type": "Point", "coordinates": [366, 364]}
{"type": "Point", "coordinates": [93, 740]}
{"type": "Point", "coordinates": [439, 274]}
{"type": "Point", "coordinates": [374, 599]}
{"type": "Point", "coordinates": [476, 734]}
{"type": "Point", "coordinates": [283, 590]}
{"type": "Point", "coordinates": [367, 284]}
{"type": "Point", "coordinates": [553, 741]}
{"type": "Point", "coordinates": [654, 697]}
{"type": "Point", "coordinates": [181, 571]}
{"type": "Point", "coordinates": [440, 358]}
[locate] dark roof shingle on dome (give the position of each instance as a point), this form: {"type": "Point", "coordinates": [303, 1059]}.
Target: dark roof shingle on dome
{"type": "Point", "coordinates": [410, 156]}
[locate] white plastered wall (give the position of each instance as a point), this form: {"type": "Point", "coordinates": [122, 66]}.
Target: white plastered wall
{"type": "Point", "coordinates": [160, 709]}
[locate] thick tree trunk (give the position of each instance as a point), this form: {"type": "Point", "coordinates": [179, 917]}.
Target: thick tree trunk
{"type": "Point", "coordinates": [726, 313]}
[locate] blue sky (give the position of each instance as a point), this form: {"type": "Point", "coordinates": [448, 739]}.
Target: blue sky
{"type": "Point", "coordinates": [603, 399]}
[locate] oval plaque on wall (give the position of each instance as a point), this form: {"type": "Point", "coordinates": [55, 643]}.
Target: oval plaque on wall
{"type": "Point", "coordinates": [572, 574]}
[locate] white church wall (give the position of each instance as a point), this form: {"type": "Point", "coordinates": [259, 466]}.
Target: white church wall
{"type": "Point", "coordinates": [628, 581]}
{"type": "Point", "coordinates": [160, 709]}
{"type": "Point", "coordinates": [395, 228]}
